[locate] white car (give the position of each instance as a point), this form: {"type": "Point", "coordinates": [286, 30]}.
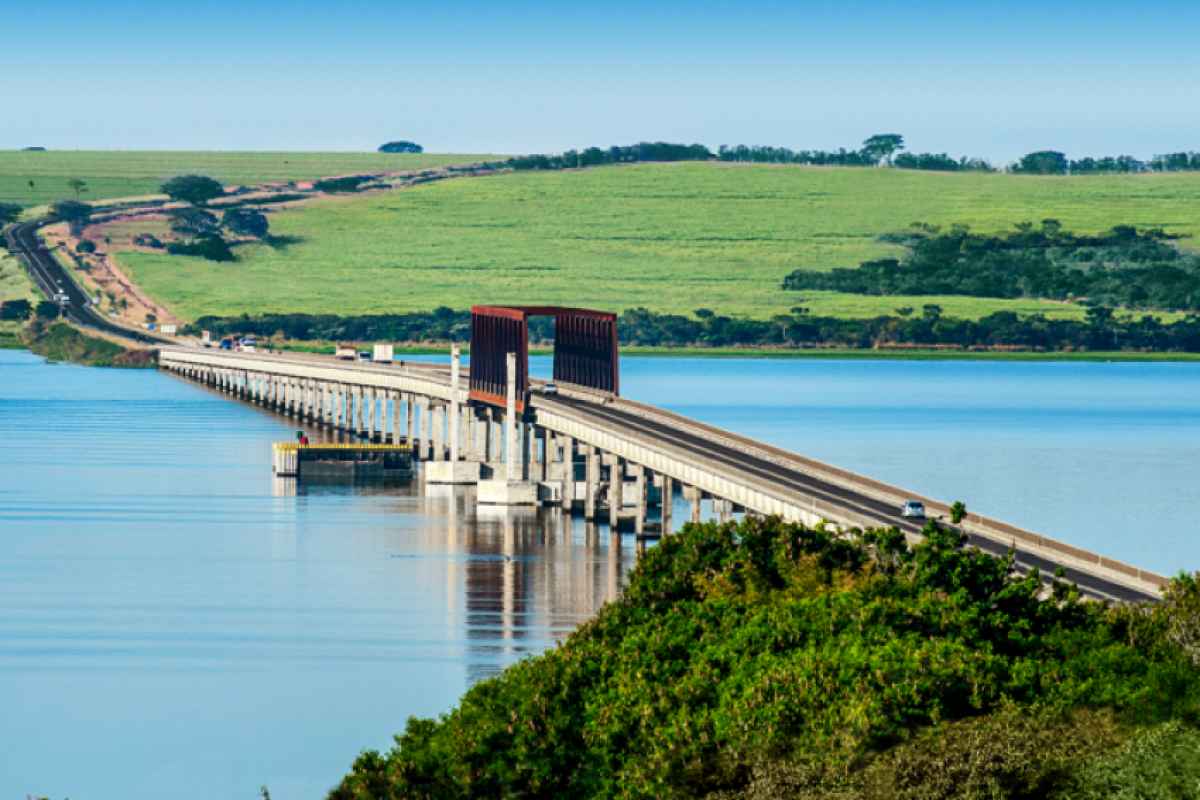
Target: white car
{"type": "Point", "coordinates": [913, 509]}
{"type": "Point", "coordinates": [550, 388]}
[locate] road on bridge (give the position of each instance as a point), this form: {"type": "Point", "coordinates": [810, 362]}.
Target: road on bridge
{"type": "Point", "coordinates": [881, 513]}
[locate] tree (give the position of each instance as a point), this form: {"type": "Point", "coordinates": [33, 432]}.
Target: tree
{"type": "Point", "coordinates": [48, 309]}
{"type": "Point", "coordinates": [881, 146]}
{"type": "Point", "coordinates": [194, 189]}
{"type": "Point", "coordinates": [11, 310]}
{"type": "Point", "coordinates": [74, 213]}
{"type": "Point", "coordinates": [78, 185]}
{"type": "Point", "coordinates": [192, 222]}
{"type": "Point", "coordinates": [9, 212]}
{"type": "Point", "coordinates": [246, 222]}
{"type": "Point", "coordinates": [401, 147]}
{"type": "Point", "coordinates": [958, 512]}
{"type": "Point", "coordinates": [1043, 162]}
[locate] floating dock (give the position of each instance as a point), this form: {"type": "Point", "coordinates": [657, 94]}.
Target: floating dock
{"type": "Point", "coordinates": [294, 460]}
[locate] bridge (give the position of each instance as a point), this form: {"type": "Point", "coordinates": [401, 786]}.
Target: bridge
{"type": "Point", "coordinates": [586, 449]}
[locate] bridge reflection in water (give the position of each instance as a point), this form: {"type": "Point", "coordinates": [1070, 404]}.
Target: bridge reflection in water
{"type": "Point", "coordinates": [516, 579]}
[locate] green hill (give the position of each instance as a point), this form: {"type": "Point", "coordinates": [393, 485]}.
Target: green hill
{"type": "Point", "coordinates": [667, 237]}
{"type": "Point", "coordinates": [110, 174]}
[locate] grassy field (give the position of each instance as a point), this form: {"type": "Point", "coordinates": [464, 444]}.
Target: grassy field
{"type": "Point", "coordinates": [132, 174]}
{"type": "Point", "coordinates": [667, 237]}
{"type": "Point", "coordinates": [14, 285]}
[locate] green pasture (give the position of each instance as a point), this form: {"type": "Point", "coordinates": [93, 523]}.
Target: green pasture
{"type": "Point", "coordinates": [14, 285]}
{"type": "Point", "coordinates": [110, 174]}
{"type": "Point", "coordinates": [668, 237]}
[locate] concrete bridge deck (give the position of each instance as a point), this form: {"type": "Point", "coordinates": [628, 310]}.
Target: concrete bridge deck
{"type": "Point", "coordinates": [620, 446]}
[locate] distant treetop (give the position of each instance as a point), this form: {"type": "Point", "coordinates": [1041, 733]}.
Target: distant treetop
{"type": "Point", "coordinates": [194, 189]}
{"type": "Point", "coordinates": [402, 147]}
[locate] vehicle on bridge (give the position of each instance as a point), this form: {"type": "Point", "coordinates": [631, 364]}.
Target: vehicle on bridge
{"type": "Point", "coordinates": [913, 509]}
{"type": "Point", "coordinates": [364, 356]}
{"type": "Point", "coordinates": [248, 343]}
{"type": "Point", "coordinates": [344, 351]}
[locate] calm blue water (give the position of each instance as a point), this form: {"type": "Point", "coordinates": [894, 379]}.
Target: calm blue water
{"type": "Point", "coordinates": [173, 622]}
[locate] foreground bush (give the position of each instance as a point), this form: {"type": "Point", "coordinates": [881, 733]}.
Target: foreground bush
{"type": "Point", "coordinates": [772, 660]}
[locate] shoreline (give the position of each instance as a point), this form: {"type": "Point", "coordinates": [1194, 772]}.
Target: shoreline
{"type": "Point", "coordinates": [635, 351]}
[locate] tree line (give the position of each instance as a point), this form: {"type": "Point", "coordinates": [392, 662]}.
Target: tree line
{"type": "Point", "coordinates": [1052, 162]}
{"type": "Point", "coordinates": [879, 150]}
{"type": "Point", "coordinates": [1103, 329]}
{"type": "Point", "coordinates": [1123, 267]}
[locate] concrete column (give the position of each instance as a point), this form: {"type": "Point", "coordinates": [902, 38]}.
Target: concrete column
{"type": "Point", "coordinates": [510, 419]}
{"type": "Point", "coordinates": [543, 463]}
{"type": "Point", "coordinates": [526, 452]}
{"type": "Point", "coordinates": [568, 472]}
{"type": "Point", "coordinates": [489, 442]}
{"type": "Point", "coordinates": [369, 394]}
{"type": "Point", "coordinates": [361, 411]}
{"type": "Point", "coordinates": [336, 419]}
{"type": "Point", "coordinates": [668, 498]}
{"type": "Point", "coordinates": [395, 417]}
{"type": "Point", "coordinates": [427, 426]}
{"type": "Point", "coordinates": [410, 415]}
{"type": "Point", "coordinates": [437, 417]}
{"type": "Point", "coordinates": [616, 492]}
{"type": "Point", "coordinates": [591, 483]}
{"type": "Point", "coordinates": [639, 521]}
{"type": "Point", "coordinates": [455, 416]}
{"type": "Point", "coordinates": [696, 505]}
{"type": "Point", "coordinates": [471, 428]}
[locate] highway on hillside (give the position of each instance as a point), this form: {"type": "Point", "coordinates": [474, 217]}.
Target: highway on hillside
{"type": "Point", "coordinates": [873, 509]}
{"type": "Point", "coordinates": [52, 278]}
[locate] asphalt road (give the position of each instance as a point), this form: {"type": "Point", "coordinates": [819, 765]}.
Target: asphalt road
{"type": "Point", "coordinates": [53, 278]}
{"type": "Point", "coordinates": [877, 511]}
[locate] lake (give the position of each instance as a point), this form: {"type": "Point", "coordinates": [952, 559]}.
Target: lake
{"type": "Point", "coordinates": [176, 622]}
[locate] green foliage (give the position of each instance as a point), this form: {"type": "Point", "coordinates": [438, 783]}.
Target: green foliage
{"type": "Point", "coordinates": [881, 146]}
{"type": "Point", "coordinates": [86, 246]}
{"type": "Point", "coordinates": [641, 327]}
{"type": "Point", "coordinates": [48, 309]}
{"type": "Point", "coordinates": [71, 211]}
{"type": "Point", "coordinates": [342, 185]}
{"type": "Point", "coordinates": [14, 310]}
{"type": "Point", "coordinates": [765, 653]}
{"type": "Point", "coordinates": [958, 512]}
{"type": "Point", "coordinates": [246, 222]}
{"type": "Point", "coordinates": [1122, 267]}
{"type": "Point", "coordinates": [207, 246]}
{"type": "Point", "coordinates": [9, 212]}
{"type": "Point", "coordinates": [61, 342]}
{"type": "Point", "coordinates": [1043, 162]}
{"type": "Point", "coordinates": [194, 189]}
{"type": "Point", "coordinates": [401, 147]}
{"type": "Point", "coordinates": [191, 221]}
{"type": "Point", "coordinates": [1162, 765]}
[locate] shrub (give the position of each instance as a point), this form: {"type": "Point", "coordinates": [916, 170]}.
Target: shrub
{"type": "Point", "coordinates": [341, 185]}
{"type": "Point", "coordinates": [210, 247]}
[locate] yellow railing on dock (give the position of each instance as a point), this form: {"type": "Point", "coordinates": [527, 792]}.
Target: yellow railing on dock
{"type": "Point", "coordinates": [295, 447]}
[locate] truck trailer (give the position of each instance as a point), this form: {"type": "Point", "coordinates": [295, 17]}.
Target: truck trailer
{"type": "Point", "coordinates": [383, 353]}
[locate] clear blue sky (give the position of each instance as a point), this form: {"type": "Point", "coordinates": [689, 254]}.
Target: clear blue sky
{"type": "Point", "coordinates": [986, 79]}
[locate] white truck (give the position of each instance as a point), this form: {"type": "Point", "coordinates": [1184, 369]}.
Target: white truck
{"type": "Point", "coordinates": [383, 354]}
{"type": "Point", "coordinates": [345, 351]}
